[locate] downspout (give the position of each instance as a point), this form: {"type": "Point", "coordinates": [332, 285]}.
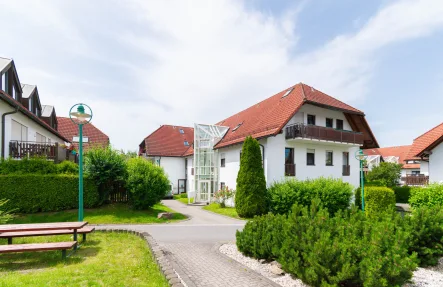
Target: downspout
{"type": "Point", "coordinates": [263, 158]}
{"type": "Point", "coordinates": [3, 130]}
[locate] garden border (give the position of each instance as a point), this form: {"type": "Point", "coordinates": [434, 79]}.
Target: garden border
{"type": "Point", "coordinates": [158, 253]}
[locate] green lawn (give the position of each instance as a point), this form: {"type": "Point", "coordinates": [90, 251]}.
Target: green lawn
{"type": "Point", "coordinates": [112, 213]}
{"type": "Point", "coordinates": [182, 200]}
{"type": "Point", "coordinates": [105, 259]}
{"type": "Point", "coordinates": [228, 211]}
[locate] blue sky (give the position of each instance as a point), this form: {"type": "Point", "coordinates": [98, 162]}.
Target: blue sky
{"type": "Point", "coordinates": [140, 64]}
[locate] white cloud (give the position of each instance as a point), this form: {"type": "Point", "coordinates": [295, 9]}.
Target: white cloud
{"type": "Point", "coordinates": [182, 62]}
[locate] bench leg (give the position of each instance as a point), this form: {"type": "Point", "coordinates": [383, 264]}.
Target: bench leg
{"type": "Point", "coordinates": [64, 254]}
{"type": "Point", "coordinates": [84, 236]}
{"type": "Point", "coordinates": [75, 238]}
{"type": "Point", "coordinates": [9, 240]}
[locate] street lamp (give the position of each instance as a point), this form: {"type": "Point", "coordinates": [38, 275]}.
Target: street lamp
{"type": "Point", "coordinates": [80, 118]}
{"type": "Point", "coordinates": [361, 157]}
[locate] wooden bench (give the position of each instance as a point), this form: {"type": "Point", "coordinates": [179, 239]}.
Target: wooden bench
{"type": "Point", "coordinates": [63, 246]}
{"type": "Point", "coordinates": [10, 235]}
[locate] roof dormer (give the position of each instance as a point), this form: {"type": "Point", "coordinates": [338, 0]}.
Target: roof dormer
{"type": "Point", "coordinates": [9, 82]}
{"type": "Point", "coordinates": [31, 99]}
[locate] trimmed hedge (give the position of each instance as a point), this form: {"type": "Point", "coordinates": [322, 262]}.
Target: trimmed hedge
{"type": "Point", "coordinates": [378, 200]}
{"type": "Point", "coordinates": [333, 193]}
{"type": "Point", "coordinates": [427, 196]}
{"type": "Point", "coordinates": [402, 193]}
{"type": "Point", "coordinates": [29, 193]}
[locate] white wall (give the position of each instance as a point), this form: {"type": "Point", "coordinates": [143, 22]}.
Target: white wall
{"type": "Point", "coordinates": [190, 178]}
{"type": "Point", "coordinates": [436, 164]}
{"type": "Point", "coordinates": [175, 169]}
{"type": "Point", "coordinates": [424, 167]}
{"type": "Point", "coordinates": [320, 116]}
{"type": "Point", "coordinates": [32, 126]}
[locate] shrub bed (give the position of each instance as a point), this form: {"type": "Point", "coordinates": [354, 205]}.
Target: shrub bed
{"type": "Point", "coordinates": [427, 196]}
{"type": "Point", "coordinates": [378, 200]}
{"type": "Point", "coordinates": [333, 193]}
{"type": "Point", "coordinates": [29, 193]}
{"type": "Point", "coordinates": [402, 193]}
{"type": "Point", "coordinates": [348, 249]}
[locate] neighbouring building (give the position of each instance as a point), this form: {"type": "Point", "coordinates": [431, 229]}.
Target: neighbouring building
{"type": "Point", "coordinates": [24, 132]}
{"type": "Point", "coordinates": [303, 133]}
{"type": "Point", "coordinates": [92, 136]}
{"type": "Point", "coordinates": [395, 154]}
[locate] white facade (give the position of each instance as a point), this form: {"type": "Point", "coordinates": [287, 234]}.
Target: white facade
{"type": "Point", "coordinates": [436, 164]}
{"type": "Point", "coordinates": [174, 168]}
{"type": "Point", "coordinates": [424, 167]}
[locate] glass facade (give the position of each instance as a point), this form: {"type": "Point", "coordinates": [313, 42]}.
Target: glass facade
{"type": "Point", "coordinates": [206, 160]}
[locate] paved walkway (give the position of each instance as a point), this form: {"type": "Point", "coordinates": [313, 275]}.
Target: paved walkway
{"type": "Point", "coordinates": [192, 247]}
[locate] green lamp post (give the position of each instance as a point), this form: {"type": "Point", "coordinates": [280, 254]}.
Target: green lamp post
{"type": "Point", "coordinates": [361, 157]}
{"type": "Point", "coordinates": [80, 118]}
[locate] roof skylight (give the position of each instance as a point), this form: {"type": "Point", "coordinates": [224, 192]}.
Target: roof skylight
{"type": "Point", "coordinates": [182, 131]}
{"type": "Point", "coordinates": [236, 128]}
{"type": "Point", "coordinates": [186, 143]}
{"type": "Point", "coordinates": [288, 92]}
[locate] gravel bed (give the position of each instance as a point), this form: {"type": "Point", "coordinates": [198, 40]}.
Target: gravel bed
{"type": "Point", "coordinates": [422, 277]}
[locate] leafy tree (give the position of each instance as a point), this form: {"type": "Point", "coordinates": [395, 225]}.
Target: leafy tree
{"type": "Point", "coordinates": [107, 167]}
{"type": "Point", "coordinates": [251, 197]}
{"type": "Point", "coordinates": [146, 182]}
{"type": "Point", "coordinates": [387, 172]}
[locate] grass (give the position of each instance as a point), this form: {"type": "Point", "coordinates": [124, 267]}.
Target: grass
{"type": "Point", "coordinates": [183, 200]}
{"type": "Point", "coordinates": [105, 259]}
{"type": "Point", "coordinates": [107, 214]}
{"type": "Point", "coordinates": [228, 211]}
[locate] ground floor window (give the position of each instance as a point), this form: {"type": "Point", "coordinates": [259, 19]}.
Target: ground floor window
{"type": "Point", "coordinates": [222, 185]}
{"type": "Point", "coordinates": [289, 162]}
{"type": "Point", "coordinates": [329, 158]}
{"type": "Point", "coordinates": [310, 157]}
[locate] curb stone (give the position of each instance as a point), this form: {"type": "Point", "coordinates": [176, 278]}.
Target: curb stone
{"type": "Point", "coordinates": [159, 255]}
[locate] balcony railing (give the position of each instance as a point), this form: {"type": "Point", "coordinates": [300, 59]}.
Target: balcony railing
{"type": "Point", "coordinates": [346, 170]}
{"type": "Point", "coordinates": [290, 169]}
{"type": "Point", "coordinates": [323, 133]}
{"type": "Point", "coordinates": [26, 149]}
{"type": "Point", "coordinates": [412, 179]}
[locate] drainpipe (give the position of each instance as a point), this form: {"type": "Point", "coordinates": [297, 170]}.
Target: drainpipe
{"type": "Point", "coordinates": [263, 158]}
{"type": "Point", "coordinates": [3, 131]}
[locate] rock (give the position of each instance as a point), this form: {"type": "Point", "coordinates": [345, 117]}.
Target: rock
{"type": "Point", "coordinates": [165, 215]}
{"type": "Point", "coordinates": [275, 263]}
{"type": "Point", "coordinates": [276, 270]}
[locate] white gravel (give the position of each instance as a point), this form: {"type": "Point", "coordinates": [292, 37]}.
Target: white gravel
{"type": "Point", "coordinates": [422, 277]}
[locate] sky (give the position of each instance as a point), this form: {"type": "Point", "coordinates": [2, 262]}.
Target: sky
{"type": "Point", "coordinates": [140, 64]}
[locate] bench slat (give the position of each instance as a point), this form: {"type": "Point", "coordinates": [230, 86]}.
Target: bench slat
{"type": "Point", "coordinates": [46, 232]}
{"type": "Point", "coordinates": [37, 247]}
{"type": "Point", "coordinates": [41, 226]}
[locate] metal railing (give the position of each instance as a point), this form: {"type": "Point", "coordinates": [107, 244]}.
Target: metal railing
{"type": "Point", "coordinates": [412, 179]}
{"type": "Point", "coordinates": [289, 169]}
{"type": "Point", "coordinates": [323, 133]}
{"type": "Point", "coordinates": [25, 149]}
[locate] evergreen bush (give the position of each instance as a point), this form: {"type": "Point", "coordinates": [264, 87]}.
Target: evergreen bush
{"type": "Point", "coordinates": [378, 200]}
{"type": "Point", "coordinates": [35, 165]}
{"type": "Point", "coordinates": [427, 196]}
{"type": "Point", "coordinates": [334, 194]}
{"type": "Point", "coordinates": [402, 193]}
{"type": "Point", "coordinates": [147, 183]}
{"type": "Point", "coordinates": [250, 198]}
{"type": "Point", "coordinates": [29, 193]}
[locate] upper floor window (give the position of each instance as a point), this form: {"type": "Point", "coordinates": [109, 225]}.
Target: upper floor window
{"type": "Point", "coordinates": [329, 123]}
{"type": "Point", "coordinates": [310, 157]}
{"type": "Point", "coordinates": [311, 120]}
{"type": "Point", "coordinates": [19, 132]}
{"type": "Point", "coordinates": [329, 158]}
{"type": "Point", "coordinates": [30, 105]}
{"type": "Point", "coordinates": [3, 82]}
{"type": "Point", "coordinates": [222, 160]}
{"type": "Point", "coordinates": [289, 162]}
{"type": "Point", "coordinates": [339, 124]}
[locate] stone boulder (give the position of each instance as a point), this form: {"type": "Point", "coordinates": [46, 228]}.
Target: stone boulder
{"type": "Point", "coordinates": [165, 215]}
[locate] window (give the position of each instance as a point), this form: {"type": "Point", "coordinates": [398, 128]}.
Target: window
{"type": "Point", "coordinates": [288, 92]}
{"type": "Point", "coordinates": [339, 124]}
{"type": "Point", "coordinates": [222, 160]}
{"type": "Point", "coordinates": [222, 185]}
{"type": "Point", "coordinates": [346, 167]}
{"type": "Point", "coordinates": [329, 158]}
{"type": "Point", "coordinates": [310, 157]}
{"type": "Point", "coordinates": [236, 128]}
{"type": "Point", "coordinates": [182, 131]}
{"type": "Point", "coordinates": [311, 120]}
{"type": "Point", "coordinates": [329, 123]}
{"type": "Point", "coordinates": [415, 172]}
{"type": "Point", "coordinates": [345, 158]}
{"type": "Point", "coordinates": [3, 82]}
{"type": "Point", "coordinates": [186, 143]}
{"type": "Point", "coordinates": [19, 132]}
{"type": "Point", "coordinates": [289, 162]}
{"type": "Point", "coordinates": [40, 138]}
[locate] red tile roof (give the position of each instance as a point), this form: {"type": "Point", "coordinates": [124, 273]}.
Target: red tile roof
{"type": "Point", "coordinates": [426, 141]}
{"type": "Point", "coordinates": [399, 151]}
{"type": "Point", "coordinates": [95, 136]}
{"type": "Point", "coordinates": [168, 141]}
{"type": "Point", "coordinates": [268, 117]}
{"type": "Point", "coordinates": [11, 101]}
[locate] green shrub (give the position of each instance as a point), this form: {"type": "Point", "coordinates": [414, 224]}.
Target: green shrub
{"type": "Point", "coordinates": [67, 167]}
{"type": "Point", "coordinates": [378, 200]}
{"type": "Point", "coordinates": [36, 165]}
{"type": "Point", "coordinates": [5, 215]}
{"type": "Point", "coordinates": [147, 183]}
{"type": "Point", "coordinates": [250, 198]}
{"type": "Point", "coordinates": [387, 173]}
{"type": "Point", "coordinates": [347, 249]}
{"type": "Point", "coordinates": [402, 193]}
{"type": "Point", "coordinates": [333, 193]}
{"type": "Point", "coordinates": [374, 183]}
{"type": "Point", "coordinates": [427, 196]}
{"type": "Point", "coordinates": [30, 193]}
{"type": "Point", "coordinates": [425, 226]}
{"type": "Point", "coordinates": [183, 195]}
{"type": "Point", "coordinates": [107, 167]}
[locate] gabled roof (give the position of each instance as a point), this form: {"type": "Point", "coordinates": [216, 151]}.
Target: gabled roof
{"type": "Point", "coordinates": [95, 136]}
{"type": "Point", "coordinates": [426, 142]}
{"type": "Point", "coordinates": [15, 104]}
{"type": "Point", "coordinates": [28, 90]}
{"type": "Point", "coordinates": [167, 140]}
{"type": "Point", "coordinates": [4, 64]}
{"type": "Point", "coordinates": [47, 111]}
{"type": "Point", "coordinates": [269, 117]}
{"type": "Point", "coordinates": [397, 151]}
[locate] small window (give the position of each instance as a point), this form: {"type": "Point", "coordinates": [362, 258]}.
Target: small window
{"type": "Point", "coordinates": [182, 131]}
{"type": "Point", "coordinates": [289, 155]}
{"type": "Point", "coordinates": [222, 185]}
{"type": "Point", "coordinates": [186, 143]}
{"type": "Point", "coordinates": [222, 160]}
{"type": "Point", "coordinates": [236, 128]}
{"type": "Point", "coordinates": [329, 123]}
{"type": "Point", "coordinates": [329, 158]}
{"type": "Point", "coordinates": [288, 92]}
{"type": "Point", "coordinates": [310, 157]}
{"type": "Point", "coordinates": [311, 120]}
{"type": "Point", "coordinates": [339, 124]}
{"type": "Point", "coordinates": [415, 172]}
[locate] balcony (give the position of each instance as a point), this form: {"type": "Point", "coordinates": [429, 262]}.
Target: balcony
{"type": "Point", "coordinates": [51, 151]}
{"type": "Point", "coordinates": [290, 169]}
{"type": "Point", "coordinates": [346, 170]}
{"type": "Point", "coordinates": [304, 131]}
{"type": "Point", "coordinates": [412, 179]}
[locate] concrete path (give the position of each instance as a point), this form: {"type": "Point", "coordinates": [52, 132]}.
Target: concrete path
{"type": "Point", "coordinates": [192, 247]}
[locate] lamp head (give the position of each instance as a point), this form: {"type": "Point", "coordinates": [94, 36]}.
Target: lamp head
{"type": "Point", "coordinates": [80, 114]}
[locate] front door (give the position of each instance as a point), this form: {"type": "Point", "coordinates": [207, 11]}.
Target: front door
{"type": "Point", "coordinates": [204, 190]}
